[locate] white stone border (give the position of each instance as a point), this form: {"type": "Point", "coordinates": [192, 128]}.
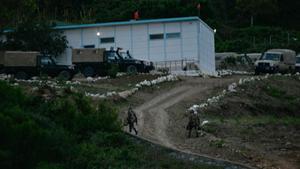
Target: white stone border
{"type": "Point", "coordinates": [233, 88]}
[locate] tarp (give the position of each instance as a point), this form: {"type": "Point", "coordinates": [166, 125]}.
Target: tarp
{"type": "Point", "coordinates": [87, 55]}
{"type": "Point", "coordinates": [20, 58]}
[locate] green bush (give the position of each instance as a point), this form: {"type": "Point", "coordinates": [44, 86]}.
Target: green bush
{"type": "Point", "coordinates": [34, 131]}
{"type": "Point", "coordinates": [113, 71]}
{"type": "Point", "coordinates": [68, 132]}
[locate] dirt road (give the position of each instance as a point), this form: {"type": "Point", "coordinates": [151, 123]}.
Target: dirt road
{"type": "Point", "coordinates": [155, 119]}
{"type": "Point", "coordinates": [162, 119]}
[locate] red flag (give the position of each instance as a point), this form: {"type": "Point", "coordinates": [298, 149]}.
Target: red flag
{"type": "Point", "coordinates": [136, 15]}
{"type": "Point", "coordinates": [199, 6]}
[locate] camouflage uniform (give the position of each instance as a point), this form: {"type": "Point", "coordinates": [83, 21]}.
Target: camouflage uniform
{"type": "Point", "coordinates": [194, 123]}
{"type": "Point", "coordinates": [131, 119]}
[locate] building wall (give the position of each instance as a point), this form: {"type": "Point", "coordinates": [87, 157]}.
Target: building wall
{"type": "Point", "coordinates": [206, 49]}
{"type": "Point", "coordinates": [173, 45]}
{"type": "Point", "coordinates": [190, 41]}
{"type": "Point", "coordinates": [139, 41]}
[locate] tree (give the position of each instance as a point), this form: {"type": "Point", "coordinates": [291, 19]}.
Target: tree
{"type": "Point", "coordinates": [263, 10]}
{"type": "Point", "coordinates": [36, 36]}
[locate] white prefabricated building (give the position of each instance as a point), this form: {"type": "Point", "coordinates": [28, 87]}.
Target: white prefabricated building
{"type": "Point", "coordinates": [157, 40]}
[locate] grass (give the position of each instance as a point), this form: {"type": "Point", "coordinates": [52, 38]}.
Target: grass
{"type": "Point", "coordinates": [220, 143]}
{"type": "Point", "coordinates": [69, 132]}
{"type": "Point", "coordinates": [274, 92]}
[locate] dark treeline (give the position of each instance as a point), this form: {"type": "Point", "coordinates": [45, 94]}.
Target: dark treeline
{"type": "Point", "coordinates": [227, 16]}
{"type": "Point", "coordinates": [283, 13]}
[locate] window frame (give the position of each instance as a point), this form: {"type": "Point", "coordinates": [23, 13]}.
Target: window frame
{"type": "Point", "coordinates": [107, 40]}
{"type": "Point", "coordinates": [156, 36]}
{"type": "Point", "coordinates": [173, 35]}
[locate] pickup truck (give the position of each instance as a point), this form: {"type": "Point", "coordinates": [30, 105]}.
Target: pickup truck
{"type": "Point", "coordinates": [275, 61]}
{"type": "Point", "coordinates": [24, 65]}
{"type": "Point", "coordinates": [97, 61]}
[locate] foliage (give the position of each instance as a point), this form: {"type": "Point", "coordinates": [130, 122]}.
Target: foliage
{"type": "Point", "coordinates": [34, 131]}
{"type": "Point", "coordinates": [113, 70]}
{"type": "Point", "coordinates": [36, 36]}
{"type": "Point", "coordinates": [257, 39]}
{"type": "Point", "coordinates": [274, 21]}
{"type": "Point", "coordinates": [69, 132]}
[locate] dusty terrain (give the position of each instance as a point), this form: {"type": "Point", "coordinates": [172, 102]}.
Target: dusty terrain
{"type": "Point", "coordinates": [235, 132]}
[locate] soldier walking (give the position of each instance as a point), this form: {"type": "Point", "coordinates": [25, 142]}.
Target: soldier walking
{"type": "Point", "coordinates": [194, 122]}
{"type": "Point", "coordinates": [131, 119]}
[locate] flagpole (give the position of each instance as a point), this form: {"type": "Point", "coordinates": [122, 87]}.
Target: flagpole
{"type": "Point", "coordinates": [199, 9]}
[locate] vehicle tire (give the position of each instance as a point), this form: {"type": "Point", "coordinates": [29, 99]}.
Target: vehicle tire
{"type": "Point", "coordinates": [257, 72]}
{"type": "Point", "coordinates": [88, 71]}
{"type": "Point", "coordinates": [276, 70]}
{"type": "Point", "coordinates": [64, 75]}
{"type": "Point", "coordinates": [21, 75]}
{"type": "Point", "coordinates": [131, 69]}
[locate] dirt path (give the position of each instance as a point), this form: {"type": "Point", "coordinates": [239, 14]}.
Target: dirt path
{"type": "Point", "coordinates": [154, 118]}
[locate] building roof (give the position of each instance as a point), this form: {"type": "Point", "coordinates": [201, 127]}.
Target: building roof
{"type": "Point", "coordinates": [131, 22]}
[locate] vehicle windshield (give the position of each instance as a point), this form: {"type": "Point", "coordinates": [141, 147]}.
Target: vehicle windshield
{"type": "Point", "coordinates": [271, 56]}
{"type": "Point", "coordinates": [47, 61]}
{"type": "Point", "coordinates": [297, 59]}
{"type": "Point", "coordinates": [112, 56]}
{"type": "Point", "coordinates": [125, 56]}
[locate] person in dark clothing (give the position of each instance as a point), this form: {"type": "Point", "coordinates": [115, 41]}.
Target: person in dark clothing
{"type": "Point", "coordinates": [194, 123]}
{"type": "Point", "coordinates": [131, 119]}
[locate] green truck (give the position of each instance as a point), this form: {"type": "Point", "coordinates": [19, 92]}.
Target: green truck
{"type": "Point", "coordinates": [24, 65]}
{"type": "Point", "coordinates": [297, 66]}
{"type": "Point", "coordinates": [97, 61]}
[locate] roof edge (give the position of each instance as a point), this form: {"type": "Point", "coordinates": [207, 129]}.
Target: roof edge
{"type": "Point", "coordinates": [146, 21]}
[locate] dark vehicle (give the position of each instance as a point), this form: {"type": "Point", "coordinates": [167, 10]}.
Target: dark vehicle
{"type": "Point", "coordinates": [24, 65]}
{"type": "Point", "coordinates": [297, 66]}
{"type": "Point", "coordinates": [92, 62]}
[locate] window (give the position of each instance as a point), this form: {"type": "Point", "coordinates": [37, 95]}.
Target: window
{"type": "Point", "coordinates": [46, 61]}
{"type": "Point", "coordinates": [172, 35]}
{"type": "Point", "coordinates": [156, 36]}
{"type": "Point", "coordinates": [89, 46]}
{"type": "Point", "coordinates": [107, 40]}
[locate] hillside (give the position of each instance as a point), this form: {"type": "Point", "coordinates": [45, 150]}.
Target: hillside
{"type": "Point", "coordinates": [69, 132]}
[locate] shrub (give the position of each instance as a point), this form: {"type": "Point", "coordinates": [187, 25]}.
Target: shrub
{"type": "Point", "coordinates": [113, 71]}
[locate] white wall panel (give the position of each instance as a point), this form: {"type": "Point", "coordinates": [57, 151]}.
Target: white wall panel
{"type": "Point", "coordinates": [173, 49]}
{"type": "Point", "coordinates": [172, 27]}
{"type": "Point", "coordinates": [140, 41]}
{"type": "Point", "coordinates": [207, 50]}
{"type": "Point", "coordinates": [189, 40]}
{"type": "Point", "coordinates": [123, 37]}
{"type": "Point", "coordinates": [156, 28]}
{"type": "Point", "coordinates": [89, 37]}
{"type": "Point", "coordinates": [74, 38]}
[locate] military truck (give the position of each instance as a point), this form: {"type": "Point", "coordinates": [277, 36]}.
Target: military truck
{"type": "Point", "coordinates": [97, 61]}
{"type": "Point", "coordinates": [276, 61]}
{"type": "Point", "coordinates": [1, 61]}
{"type": "Point", "coordinates": [297, 66]}
{"type": "Point", "coordinates": [24, 65]}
